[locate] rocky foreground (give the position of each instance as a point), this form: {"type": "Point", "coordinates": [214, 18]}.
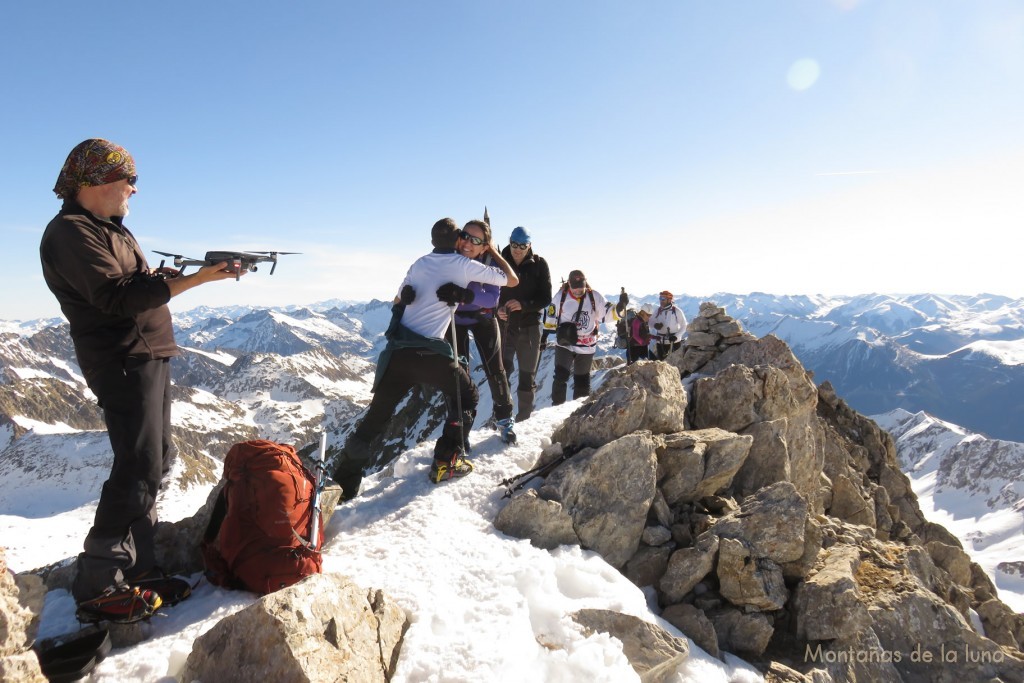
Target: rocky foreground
{"type": "Point", "coordinates": [771, 520]}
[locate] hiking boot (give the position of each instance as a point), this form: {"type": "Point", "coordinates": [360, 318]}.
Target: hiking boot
{"type": "Point", "coordinates": [121, 605]}
{"type": "Point", "coordinates": [441, 470]}
{"type": "Point", "coordinates": [506, 430]}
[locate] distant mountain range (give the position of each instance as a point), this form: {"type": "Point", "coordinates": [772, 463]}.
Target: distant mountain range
{"type": "Point", "coordinates": [960, 358]}
{"type": "Point", "coordinates": [284, 374]}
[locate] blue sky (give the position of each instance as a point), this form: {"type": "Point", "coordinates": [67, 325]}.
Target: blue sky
{"type": "Point", "coordinates": [834, 147]}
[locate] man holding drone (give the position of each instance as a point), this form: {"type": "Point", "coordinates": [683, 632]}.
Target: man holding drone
{"type": "Point", "coordinates": [417, 353]}
{"type": "Point", "coordinates": [121, 327]}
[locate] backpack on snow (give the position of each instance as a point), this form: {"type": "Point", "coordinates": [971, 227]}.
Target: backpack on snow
{"type": "Point", "coordinates": [257, 535]}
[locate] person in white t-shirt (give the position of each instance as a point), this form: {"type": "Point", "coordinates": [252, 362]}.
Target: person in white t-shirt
{"type": "Point", "coordinates": [419, 353]}
{"type": "Point", "coordinates": [574, 314]}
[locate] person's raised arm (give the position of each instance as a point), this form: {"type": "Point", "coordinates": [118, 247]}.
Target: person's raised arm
{"type": "Point", "coordinates": [513, 279]}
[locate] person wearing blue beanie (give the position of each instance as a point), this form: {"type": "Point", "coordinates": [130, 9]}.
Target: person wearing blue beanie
{"type": "Point", "coordinates": [519, 309]}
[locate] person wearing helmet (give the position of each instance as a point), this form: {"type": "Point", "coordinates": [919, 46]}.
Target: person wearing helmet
{"type": "Point", "coordinates": [667, 325]}
{"type": "Point", "coordinates": [639, 335]}
{"type": "Point", "coordinates": [519, 309]}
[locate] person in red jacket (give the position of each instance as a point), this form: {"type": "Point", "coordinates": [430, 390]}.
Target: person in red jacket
{"type": "Point", "coordinates": [116, 306]}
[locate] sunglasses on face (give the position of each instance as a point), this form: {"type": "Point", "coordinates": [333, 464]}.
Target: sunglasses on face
{"type": "Point", "coordinates": [519, 245]}
{"type": "Point", "coordinates": [132, 179]}
{"type": "Point", "coordinates": [473, 239]}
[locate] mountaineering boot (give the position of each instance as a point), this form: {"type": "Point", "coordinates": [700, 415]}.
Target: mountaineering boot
{"type": "Point", "coordinates": [122, 604]}
{"type": "Point", "coordinates": [506, 431]}
{"type": "Point", "coordinates": [171, 589]}
{"type": "Point", "coordinates": [442, 470]}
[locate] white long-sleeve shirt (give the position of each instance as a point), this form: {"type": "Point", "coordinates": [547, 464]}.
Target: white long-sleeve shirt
{"type": "Point", "coordinates": [427, 315]}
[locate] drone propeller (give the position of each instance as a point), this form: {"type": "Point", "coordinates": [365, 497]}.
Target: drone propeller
{"type": "Point", "coordinates": [273, 256]}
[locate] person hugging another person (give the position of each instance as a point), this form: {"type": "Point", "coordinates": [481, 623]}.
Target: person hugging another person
{"type": "Point", "coordinates": [417, 352]}
{"type": "Point", "coordinates": [639, 335]}
{"type": "Point", "coordinates": [520, 310]}
{"type": "Point", "coordinates": [667, 325]}
{"type": "Point", "coordinates": [577, 311]}
{"type": "Point", "coordinates": [478, 317]}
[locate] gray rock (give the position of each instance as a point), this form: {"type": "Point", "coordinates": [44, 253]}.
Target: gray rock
{"type": "Point", "coordinates": [748, 581]}
{"type": "Point", "coordinates": [608, 509]}
{"type": "Point", "coordinates": [653, 652]}
{"type": "Point", "coordinates": [828, 604]}
{"type": "Point", "coordinates": [744, 634]}
{"type": "Point", "coordinates": [695, 624]}
{"type": "Point", "coordinates": [320, 629]}
{"type": "Point", "coordinates": [21, 604]}
{"type": "Point", "coordinates": [696, 464]}
{"type": "Point", "coordinates": [686, 568]}
{"type": "Point", "coordinates": [850, 504]}
{"type": "Point", "coordinates": [544, 522]}
{"type": "Point", "coordinates": [642, 396]}
{"type": "Point", "coordinates": [656, 535]}
{"type": "Point", "coordinates": [771, 523]}
{"type": "Point", "coordinates": [648, 565]}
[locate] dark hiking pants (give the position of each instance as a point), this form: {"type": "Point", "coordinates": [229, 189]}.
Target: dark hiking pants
{"type": "Point", "coordinates": [136, 402]}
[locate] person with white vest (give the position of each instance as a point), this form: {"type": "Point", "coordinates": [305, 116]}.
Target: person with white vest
{"type": "Point", "coordinates": [667, 326]}
{"type": "Point", "coordinates": [575, 314]}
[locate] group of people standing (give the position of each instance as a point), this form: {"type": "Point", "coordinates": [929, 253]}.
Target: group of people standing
{"type": "Point", "coordinates": [653, 334]}
{"type": "Point", "coordinates": [120, 324]}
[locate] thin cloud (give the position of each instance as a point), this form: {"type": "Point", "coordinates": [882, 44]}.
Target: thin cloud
{"type": "Point", "coordinates": [828, 173]}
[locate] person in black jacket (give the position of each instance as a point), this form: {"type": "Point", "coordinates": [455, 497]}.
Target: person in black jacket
{"type": "Point", "coordinates": [116, 306]}
{"type": "Point", "coordinates": [519, 308]}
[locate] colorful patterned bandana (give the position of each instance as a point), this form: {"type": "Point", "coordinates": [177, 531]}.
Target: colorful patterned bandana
{"type": "Point", "coordinates": [93, 162]}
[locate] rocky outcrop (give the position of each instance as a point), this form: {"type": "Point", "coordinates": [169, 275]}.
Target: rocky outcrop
{"type": "Point", "coordinates": [777, 523]}
{"type": "Point", "coordinates": [321, 629]}
{"type": "Point", "coordinates": [21, 603]}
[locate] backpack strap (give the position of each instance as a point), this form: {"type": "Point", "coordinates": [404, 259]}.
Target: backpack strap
{"type": "Point", "coordinates": [565, 292]}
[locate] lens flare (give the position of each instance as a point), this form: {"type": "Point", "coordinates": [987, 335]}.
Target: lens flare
{"type": "Point", "coordinates": [803, 74]}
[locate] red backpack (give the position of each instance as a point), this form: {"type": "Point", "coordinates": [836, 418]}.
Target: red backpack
{"type": "Point", "coordinates": [258, 534]}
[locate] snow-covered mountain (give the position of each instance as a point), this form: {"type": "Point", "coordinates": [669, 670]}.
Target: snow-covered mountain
{"type": "Point", "coordinates": [960, 358]}
{"type": "Point", "coordinates": [282, 374]}
{"type": "Point", "coordinates": [971, 485]}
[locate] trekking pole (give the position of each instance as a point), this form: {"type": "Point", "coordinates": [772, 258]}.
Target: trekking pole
{"type": "Point", "coordinates": [458, 393]}
{"type": "Point", "coordinates": [321, 480]}
{"type": "Point", "coordinates": [526, 477]}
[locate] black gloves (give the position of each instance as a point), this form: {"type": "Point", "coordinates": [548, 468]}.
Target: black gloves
{"type": "Point", "coordinates": [407, 295]}
{"type": "Point", "coordinates": [451, 294]}
{"type": "Point", "coordinates": [658, 326]}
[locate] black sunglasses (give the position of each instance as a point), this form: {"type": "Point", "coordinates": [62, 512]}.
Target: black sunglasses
{"type": "Point", "coordinates": [519, 245]}
{"type": "Point", "coordinates": [132, 179]}
{"type": "Point", "coordinates": [473, 239]}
